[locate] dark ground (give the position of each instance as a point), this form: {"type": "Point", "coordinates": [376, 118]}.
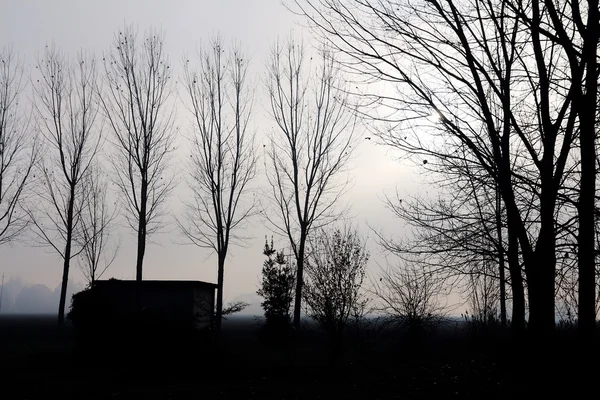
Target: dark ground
{"type": "Point", "coordinates": [39, 362]}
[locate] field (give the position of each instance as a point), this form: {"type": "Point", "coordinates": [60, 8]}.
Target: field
{"type": "Point", "coordinates": [38, 361]}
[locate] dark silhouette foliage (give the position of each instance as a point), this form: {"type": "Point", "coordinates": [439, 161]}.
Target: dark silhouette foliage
{"type": "Point", "coordinates": [87, 310]}
{"type": "Point", "coordinates": [410, 301]}
{"type": "Point", "coordinates": [277, 288]}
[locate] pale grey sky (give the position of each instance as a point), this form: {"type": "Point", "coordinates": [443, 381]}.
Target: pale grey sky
{"type": "Point", "coordinates": [77, 24]}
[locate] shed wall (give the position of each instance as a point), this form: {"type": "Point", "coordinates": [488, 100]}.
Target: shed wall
{"type": "Point", "coordinates": [204, 304]}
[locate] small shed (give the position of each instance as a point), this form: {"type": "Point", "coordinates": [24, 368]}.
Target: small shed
{"type": "Point", "coordinates": [189, 301]}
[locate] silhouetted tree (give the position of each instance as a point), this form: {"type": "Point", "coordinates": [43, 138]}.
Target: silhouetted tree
{"type": "Point", "coordinates": [500, 87]}
{"type": "Point", "coordinates": [136, 104]}
{"type": "Point", "coordinates": [500, 248]}
{"type": "Point", "coordinates": [335, 272]}
{"type": "Point", "coordinates": [223, 158]}
{"type": "Point", "coordinates": [455, 232]}
{"type": "Point", "coordinates": [277, 288]}
{"type": "Point", "coordinates": [574, 35]}
{"type": "Point", "coordinates": [410, 297]}
{"type": "Point", "coordinates": [567, 284]}
{"type": "Point", "coordinates": [309, 149]}
{"type": "Point", "coordinates": [17, 148]}
{"type": "Point", "coordinates": [567, 298]}
{"type": "Point", "coordinates": [484, 298]}
{"type": "Point", "coordinates": [100, 247]}
{"type": "Point", "coordinates": [233, 308]}
{"type": "Point", "coordinates": [66, 110]}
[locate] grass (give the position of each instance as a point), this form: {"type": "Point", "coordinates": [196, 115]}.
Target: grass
{"type": "Point", "coordinates": [38, 361]}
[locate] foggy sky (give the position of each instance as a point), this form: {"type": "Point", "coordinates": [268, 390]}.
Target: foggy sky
{"type": "Point", "coordinates": [72, 25]}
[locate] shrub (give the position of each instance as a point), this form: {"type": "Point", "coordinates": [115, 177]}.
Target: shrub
{"type": "Point", "coordinates": [88, 310]}
{"type": "Point", "coordinates": [409, 298]}
{"type": "Point", "coordinates": [335, 272]}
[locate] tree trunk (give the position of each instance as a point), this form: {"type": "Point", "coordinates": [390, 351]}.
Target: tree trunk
{"type": "Point", "coordinates": [141, 245]}
{"type": "Point", "coordinates": [513, 221]}
{"type": "Point", "coordinates": [514, 225]}
{"type": "Point", "coordinates": [501, 258]}
{"type": "Point", "coordinates": [502, 289]}
{"type": "Point", "coordinates": [299, 280]}
{"type": "Point", "coordinates": [63, 288]}
{"type": "Point", "coordinates": [220, 276]}
{"type": "Point", "coordinates": [141, 249]}
{"type": "Point", "coordinates": [518, 291]}
{"type": "Point", "coordinates": [541, 283]}
{"type": "Point", "coordinates": [585, 238]}
{"type": "Point", "coordinates": [67, 259]}
{"type": "Point", "coordinates": [542, 268]}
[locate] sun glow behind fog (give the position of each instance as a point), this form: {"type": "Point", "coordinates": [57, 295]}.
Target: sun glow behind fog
{"type": "Point", "coordinates": [435, 116]}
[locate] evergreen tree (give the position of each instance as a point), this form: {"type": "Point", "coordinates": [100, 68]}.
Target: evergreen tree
{"type": "Point", "coordinates": [277, 287]}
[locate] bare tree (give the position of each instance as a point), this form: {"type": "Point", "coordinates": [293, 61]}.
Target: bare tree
{"type": "Point", "coordinates": [501, 88]}
{"type": "Point", "coordinates": [568, 24]}
{"type": "Point", "coordinates": [410, 297]}
{"type": "Point", "coordinates": [17, 148]}
{"type": "Point", "coordinates": [100, 247]}
{"type": "Point", "coordinates": [223, 157]}
{"type": "Point", "coordinates": [309, 149]}
{"type": "Point", "coordinates": [567, 296]}
{"type": "Point", "coordinates": [335, 271]}
{"type": "Point", "coordinates": [136, 104]}
{"type": "Point", "coordinates": [455, 232]}
{"type": "Point", "coordinates": [484, 298]}
{"type": "Point", "coordinates": [66, 109]}
{"type": "Point", "coordinates": [567, 285]}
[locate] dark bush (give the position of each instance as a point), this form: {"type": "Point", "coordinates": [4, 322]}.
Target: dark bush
{"type": "Point", "coordinates": [89, 310]}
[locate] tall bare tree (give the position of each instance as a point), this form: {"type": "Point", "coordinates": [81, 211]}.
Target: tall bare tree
{"type": "Point", "coordinates": [17, 148]}
{"type": "Point", "coordinates": [223, 157]}
{"type": "Point", "coordinates": [587, 95]}
{"type": "Point", "coordinates": [502, 90]}
{"type": "Point", "coordinates": [100, 247]}
{"type": "Point", "coordinates": [67, 118]}
{"type": "Point", "coordinates": [136, 104]}
{"type": "Point", "coordinates": [310, 146]}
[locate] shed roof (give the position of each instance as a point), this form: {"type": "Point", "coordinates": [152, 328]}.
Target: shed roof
{"type": "Point", "coordinates": [157, 283]}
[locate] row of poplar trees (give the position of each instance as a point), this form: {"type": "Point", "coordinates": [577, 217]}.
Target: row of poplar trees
{"type": "Point", "coordinates": [96, 123]}
{"type": "Point", "coordinates": [497, 99]}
